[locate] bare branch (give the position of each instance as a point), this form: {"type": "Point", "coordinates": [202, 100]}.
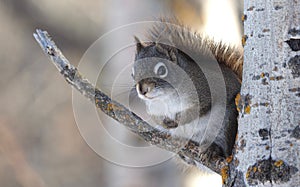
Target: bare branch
{"type": "Point", "coordinates": [185, 148]}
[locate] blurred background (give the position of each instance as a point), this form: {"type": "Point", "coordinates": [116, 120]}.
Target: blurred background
{"type": "Point", "coordinates": [40, 144]}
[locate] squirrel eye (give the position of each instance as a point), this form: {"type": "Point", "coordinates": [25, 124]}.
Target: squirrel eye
{"type": "Point", "coordinates": [161, 70]}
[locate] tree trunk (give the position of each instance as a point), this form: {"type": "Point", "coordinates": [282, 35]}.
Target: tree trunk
{"type": "Point", "coordinates": [268, 144]}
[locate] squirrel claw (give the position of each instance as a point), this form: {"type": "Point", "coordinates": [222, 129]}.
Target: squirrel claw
{"type": "Point", "coordinates": [211, 153]}
{"type": "Point", "coordinates": [169, 124]}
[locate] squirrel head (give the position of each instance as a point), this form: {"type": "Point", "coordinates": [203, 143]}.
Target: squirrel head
{"type": "Point", "coordinates": [163, 72]}
{"type": "Point", "coordinates": [153, 70]}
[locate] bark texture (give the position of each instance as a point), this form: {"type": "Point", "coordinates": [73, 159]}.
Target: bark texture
{"type": "Point", "coordinates": [268, 144]}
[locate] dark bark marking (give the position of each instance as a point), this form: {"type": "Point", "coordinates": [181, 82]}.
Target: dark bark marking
{"type": "Point", "coordinates": [50, 51]}
{"type": "Point", "coordinates": [294, 65]}
{"type": "Point", "coordinates": [268, 170]}
{"type": "Point", "coordinates": [260, 9]}
{"type": "Point", "coordinates": [277, 7]}
{"type": "Point", "coordinates": [264, 133]}
{"type": "Point", "coordinates": [296, 133]}
{"type": "Point", "coordinates": [242, 144]}
{"type": "Point", "coordinates": [294, 44]}
{"type": "Point", "coordinates": [294, 32]}
{"type": "Point", "coordinates": [256, 77]}
{"type": "Point", "coordinates": [277, 78]}
{"type": "Point", "coordinates": [251, 8]}
{"type": "Point", "coordinates": [264, 81]}
{"type": "Point", "coordinates": [296, 90]}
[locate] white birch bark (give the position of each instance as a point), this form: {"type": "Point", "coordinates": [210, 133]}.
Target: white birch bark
{"type": "Point", "coordinates": [268, 144]}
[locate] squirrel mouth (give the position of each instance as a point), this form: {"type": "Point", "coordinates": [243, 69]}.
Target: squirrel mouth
{"type": "Point", "coordinates": [144, 94]}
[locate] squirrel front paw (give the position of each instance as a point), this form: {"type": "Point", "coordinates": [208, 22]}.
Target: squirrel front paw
{"type": "Point", "coordinates": [169, 124]}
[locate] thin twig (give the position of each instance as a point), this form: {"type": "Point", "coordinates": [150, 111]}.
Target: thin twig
{"type": "Point", "coordinates": [162, 139]}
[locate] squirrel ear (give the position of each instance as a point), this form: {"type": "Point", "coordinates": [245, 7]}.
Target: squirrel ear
{"type": "Point", "coordinates": [139, 45]}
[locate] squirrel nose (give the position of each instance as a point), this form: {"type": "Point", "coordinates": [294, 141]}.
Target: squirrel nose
{"type": "Point", "coordinates": [144, 88]}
